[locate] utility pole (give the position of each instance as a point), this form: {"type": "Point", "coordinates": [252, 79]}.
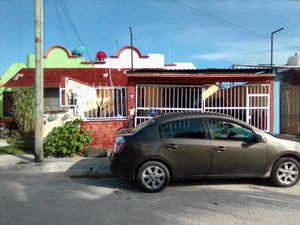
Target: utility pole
{"type": "Point", "coordinates": [39, 83]}
{"type": "Point", "coordinates": [131, 45]}
{"type": "Point", "coordinates": [272, 34]}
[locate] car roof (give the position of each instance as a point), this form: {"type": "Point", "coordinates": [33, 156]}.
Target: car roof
{"type": "Point", "coordinates": [189, 114]}
{"type": "Point", "coordinates": [186, 115]}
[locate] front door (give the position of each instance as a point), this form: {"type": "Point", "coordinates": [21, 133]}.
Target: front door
{"type": "Point", "coordinates": [186, 145]}
{"type": "Point", "coordinates": [234, 150]}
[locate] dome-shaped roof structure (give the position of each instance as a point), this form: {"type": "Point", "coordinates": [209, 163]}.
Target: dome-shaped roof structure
{"type": "Point", "coordinates": [80, 50]}
{"type": "Point", "coordinates": [101, 56]}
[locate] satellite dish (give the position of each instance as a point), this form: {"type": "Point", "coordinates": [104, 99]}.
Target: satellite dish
{"type": "Point", "coordinates": [80, 50]}
{"type": "Point", "coordinates": [101, 56]}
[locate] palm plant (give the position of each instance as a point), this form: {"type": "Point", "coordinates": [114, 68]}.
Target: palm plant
{"type": "Point", "coordinates": [23, 109]}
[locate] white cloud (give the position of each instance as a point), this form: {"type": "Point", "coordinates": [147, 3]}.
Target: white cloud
{"type": "Point", "coordinates": [251, 52]}
{"type": "Point", "coordinates": [224, 56]}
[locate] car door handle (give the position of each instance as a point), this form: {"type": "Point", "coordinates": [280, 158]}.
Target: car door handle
{"type": "Point", "coordinates": [171, 146]}
{"type": "Point", "coordinates": [220, 149]}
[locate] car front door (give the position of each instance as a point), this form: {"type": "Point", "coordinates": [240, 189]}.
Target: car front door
{"type": "Point", "coordinates": [235, 151]}
{"type": "Point", "coordinates": [185, 143]}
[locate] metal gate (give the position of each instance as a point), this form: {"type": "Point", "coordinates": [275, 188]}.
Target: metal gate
{"type": "Point", "coordinates": [152, 100]}
{"type": "Point", "coordinates": [247, 102]}
{"type": "Point", "coordinates": [258, 112]}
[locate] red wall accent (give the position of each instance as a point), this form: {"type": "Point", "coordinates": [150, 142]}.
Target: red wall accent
{"type": "Point", "coordinates": [104, 132]}
{"type": "Point", "coordinates": [129, 47]}
{"type": "Point", "coordinates": [131, 97]}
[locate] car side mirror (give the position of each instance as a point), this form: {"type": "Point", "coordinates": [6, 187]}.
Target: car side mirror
{"type": "Point", "coordinates": [258, 138]}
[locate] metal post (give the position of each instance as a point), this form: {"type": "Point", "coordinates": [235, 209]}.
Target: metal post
{"type": "Point", "coordinates": [131, 45]}
{"type": "Point", "coordinates": [39, 85]}
{"type": "Point", "coordinates": [272, 34]}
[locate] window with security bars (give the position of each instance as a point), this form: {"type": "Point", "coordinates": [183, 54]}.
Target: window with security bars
{"type": "Point", "coordinates": [97, 103]}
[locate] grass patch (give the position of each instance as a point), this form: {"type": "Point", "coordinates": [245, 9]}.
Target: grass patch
{"type": "Point", "coordinates": [18, 149]}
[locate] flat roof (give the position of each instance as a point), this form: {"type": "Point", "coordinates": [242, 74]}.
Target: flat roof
{"type": "Point", "coordinates": [203, 71]}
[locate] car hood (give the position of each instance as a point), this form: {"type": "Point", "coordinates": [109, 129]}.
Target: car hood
{"type": "Point", "coordinates": [286, 144]}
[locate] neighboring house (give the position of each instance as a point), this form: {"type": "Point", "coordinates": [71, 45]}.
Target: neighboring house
{"type": "Point", "coordinates": [151, 61]}
{"type": "Point", "coordinates": [286, 95]}
{"type": "Point", "coordinates": [5, 93]}
{"type": "Point", "coordinates": [55, 57]}
{"type": "Point", "coordinates": [290, 96]}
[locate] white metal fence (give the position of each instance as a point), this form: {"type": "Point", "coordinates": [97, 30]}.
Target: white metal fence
{"type": "Point", "coordinates": [96, 103]}
{"type": "Point", "coordinates": [152, 100]}
{"type": "Point", "coordinates": [247, 102]}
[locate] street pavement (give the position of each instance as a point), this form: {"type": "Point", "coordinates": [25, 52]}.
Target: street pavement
{"type": "Point", "coordinates": [56, 199]}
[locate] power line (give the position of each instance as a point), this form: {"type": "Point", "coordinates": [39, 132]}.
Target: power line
{"type": "Point", "coordinates": [70, 21]}
{"type": "Point", "coordinates": [72, 25]}
{"type": "Point", "coordinates": [63, 10]}
{"type": "Point", "coordinates": [229, 24]}
{"type": "Point", "coordinates": [60, 25]}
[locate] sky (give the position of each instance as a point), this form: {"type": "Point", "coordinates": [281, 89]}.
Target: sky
{"type": "Point", "coordinates": [208, 33]}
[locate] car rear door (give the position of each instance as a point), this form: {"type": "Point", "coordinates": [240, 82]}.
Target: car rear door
{"type": "Point", "coordinates": [185, 143]}
{"type": "Point", "coordinates": [235, 151]}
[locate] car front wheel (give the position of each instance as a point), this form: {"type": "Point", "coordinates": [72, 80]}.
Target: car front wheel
{"type": "Point", "coordinates": [286, 172]}
{"type": "Point", "coordinates": [153, 176]}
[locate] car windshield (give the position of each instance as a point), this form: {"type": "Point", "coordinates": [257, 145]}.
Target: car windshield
{"type": "Point", "coordinates": [142, 125]}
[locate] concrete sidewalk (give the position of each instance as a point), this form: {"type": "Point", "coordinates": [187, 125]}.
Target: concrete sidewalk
{"type": "Point", "coordinates": [75, 167]}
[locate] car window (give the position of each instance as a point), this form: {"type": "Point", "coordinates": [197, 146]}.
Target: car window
{"type": "Point", "coordinates": [221, 129]}
{"type": "Point", "coordinates": [187, 128]}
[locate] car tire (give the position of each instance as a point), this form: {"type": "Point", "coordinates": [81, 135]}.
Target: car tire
{"type": "Point", "coordinates": [153, 176]}
{"type": "Point", "coordinates": [285, 172]}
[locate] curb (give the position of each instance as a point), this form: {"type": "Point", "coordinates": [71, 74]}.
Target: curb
{"type": "Point", "coordinates": [77, 167]}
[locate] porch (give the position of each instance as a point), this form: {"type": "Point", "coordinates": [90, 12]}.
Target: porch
{"type": "Point", "coordinates": [243, 94]}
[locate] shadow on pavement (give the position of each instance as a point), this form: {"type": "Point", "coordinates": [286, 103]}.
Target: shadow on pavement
{"type": "Point", "coordinates": [29, 158]}
{"type": "Point", "coordinates": [131, 186]}
{"type": "Point", "coordinates": [238, 181]}
{"type": "Point", "coordinates": [96, 171]}
{"type": "Point", "coordinates": [115, 183]}
{"type": "Point", "coordinates": [92, 168]}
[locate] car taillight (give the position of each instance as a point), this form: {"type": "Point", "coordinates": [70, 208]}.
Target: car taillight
{"type": "Point", "coordinates": [119, 145]}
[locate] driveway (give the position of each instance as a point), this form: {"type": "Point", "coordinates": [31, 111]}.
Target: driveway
{"type": "Point", "coordinates": [56, 199]}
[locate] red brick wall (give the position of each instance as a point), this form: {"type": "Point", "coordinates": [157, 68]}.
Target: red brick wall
{"type": "Point", "coordinates": [131, 97]}
{"type": "Point", "coordinates": [104, 132]}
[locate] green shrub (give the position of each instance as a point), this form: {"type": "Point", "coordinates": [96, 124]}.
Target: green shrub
{"type": "Point", "coordinates": [67, 140]}
{"type": "Point", "coordinates": [23, 109]}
